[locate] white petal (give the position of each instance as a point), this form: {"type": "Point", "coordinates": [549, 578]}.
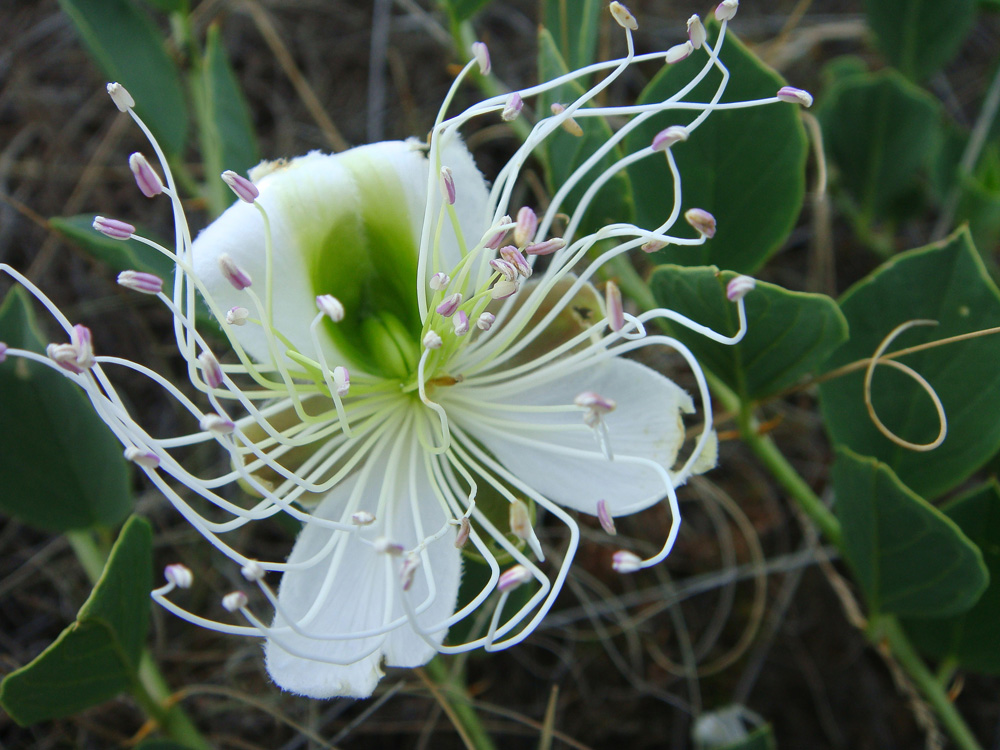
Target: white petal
{"type": "Point", "coordinates": [363, 592]}
{"type": "Point", "coordinates": [646, 424]}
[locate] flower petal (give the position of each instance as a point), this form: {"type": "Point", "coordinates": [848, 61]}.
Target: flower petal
{"type": "Point", "coordinates": [544, 448]}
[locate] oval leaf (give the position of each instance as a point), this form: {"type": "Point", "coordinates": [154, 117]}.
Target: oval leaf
{"type": "Point", "coordinates": [909, 557]}
{"type": "Point", "coordinates": [734, 165]}
{"type": "Point", "coordinates": [920, 36]}
{"type": "Point", "coordinates": [789, 333]}
{"type": "Point", "coordinates": [62, 467]}
{"type": "Point", "coordinates": [574, 26]}
{"type": "Point", "coordinates": [97, 657]}
{"type": "Point", "coordinates": [945, 282]}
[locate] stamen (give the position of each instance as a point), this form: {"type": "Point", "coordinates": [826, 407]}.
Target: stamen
{"type": "Point", "coordinates": [331, 307]}
{"type": "Point", "coordinates": [623, 16]}
{"type": "Point", "coordinates": [385, 546]}
{"type": "Point", "coordinates": [3, 352]}
{"type": "Point", "coordinates": [503, 289]}
{"type": "Point", "coordinates": [793, 95]}
{"type": "Point", "coordinates": [485, 322]}
{"type": "Point", "coordinates": [527, 224]}
{"type": "Point", "coordinates": [482, 54]}
{"type": "Point", "coordinates": [520, 526]}
{"type": "Point", "coordinates": [113, 228]}
{"type": "Point", "coordinates": [547, 247]}
{"type": "Point", "coordinates": [725, 10]}
{"type": "Point", "coordinates": [513, 577]}
{"type": "Point", "coordinates": [211, 369]}
{"type": "Point", "coordinates": [624, 561]}
{"type": "Point", "coordinates": [252, 571]}
{"type": "Point", "coordinates": [408, 570]}
{"type": "Point", "coordinates": [235, 601]}
{"type": "Point", "coordinates": [702, 221]}
{"type": "Point", "coordinates": [146, 459]}
{"type": "Point", "coordinates": [217, 424]}
{"type": "Point", "coordinates": [616, 310]}
{"type": "Point", "coordinates": [179, 575]}
{"type": "Point", "coordinates": [342, 379]}
{"type": "Point", "coordinates": [504, 268]}
{"type": "Point", "coordinates": [448, 185]}
{"type": "Point", "coordinates": [739, 287]}
{"type": "Point", "coordinates": [604, 516]}
{"type": "Point", "coordinates": [669, 136]}
{"type": "Point", "coordinates": [237, 316]}
{"type": "Point", "coordinates": [449, 305]}
{"type": "Point", "coordinates": [512, 256]}
{"type": "Point", "coordinates": [432, 340]}
{"type": "Point", "coordinates": [512, 108]}
{"type": "Point", "coordinates": [653, 245]}
{"type": "Point", "coordinates": [570, 125]}
{"type": "Point", "coordinates": [245, 190]}
{"type": "Point", "coordinates": [146, 178]}
{"type": "Point", "coordinates": [232, 272]}
{"type": "Point", "coordinates": [439, 281]}
{"type": "Point", "coordinates": [464, 529]}
{"type": "Point", "coordinates": [121, 97]}
{"type": "Point", "coordinates": [461, 323]}
{"type": "Point", "coordinates": [497, 239]}
{"type": "Point", "coordinates": [140, 281]}
{"type": "Point", "coordinates": [696, 31]}
{"type": "Point", "coordinates": [596, 405]}
{"type": "Point", "coordinates": [76, 356]}
{"type": "Point", "coordinates": [679, 52]}
{"type": "Point", "coordinates": [362, 518]}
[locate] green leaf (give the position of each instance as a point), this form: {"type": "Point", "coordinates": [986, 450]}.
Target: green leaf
{"type": "Point", "coordinates": [462, 10]}
{"type": "Point", "coordinates": [573, 25]}
{"type": "Point", "coordinates": [169, 6]}
{"type": "Point", "coordinates": [97, 657]}
{"type": "Point", "coordinates": [563, 152]}
{"type": "Point", "coordinates": [225, 125]}
{"type": "Point", "coordinates": [920, 36]}
{"type": "Point", "coordinates": [62, 467]}
{"type": "Point", "coordinates": [119, 255]}
{"type": "Point", "coordinates": [745, 166]}
{"type": "Point", "coordinates": [878, 130]}
{"type": "Point", "coordinates": [161, 745]}
{"type": "Point", "coordinates": [970, 638]}
{"type": "Point", "coordinates": [789, 333]}
{"type": "Point", "coordinates": [909, 558]}
{"type": "Point", "coordinates": [946, 282]}
{"type": "Point", "coordinates": [129, 49]}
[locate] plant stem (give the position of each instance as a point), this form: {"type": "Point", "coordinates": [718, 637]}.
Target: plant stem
{"type": "Point", "coordinates": [886, 629]}
{"type": "Point", "coordinates": [460, 710]}
{"type": "Point", "coordinates": [149, 688]}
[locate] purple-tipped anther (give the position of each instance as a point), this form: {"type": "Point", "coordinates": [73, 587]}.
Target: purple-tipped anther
{"type": "Point", "coordinates": [217, 424]}
{"type": "Point", "coordinates": [245, 190]}
{"type": "Point", "coordinates": [464, 530]}
{"type": "Point", "coordinates": [121, 97]}
{"type": "Point", "coordinates": [140, 281]}
{"type": "Point", "coordinates": [793, 95]}
{"type": "Point", "coordinates": [623, 16]}
{"type": "Point", "coordinates": [512, 108]}
{"type": "Point", "coordinates": [211, 369]}
{"type": "Point", "coordinates": [3, 352]}
{"type": "Point", "coordinates": [702, 221]}
{"type": "Point", "coordinates": [547, 247]}
{"type": "Point", "coordinates": [481, 53]}
{"type": "Point", "coordinates": [652, 246]}
{"type": "Point", "coordinates": [362, 518]}
{"type": "Point", "coordinates": [234, 601]}
{"type": "Point", "coordinates": [524, 230]}
{"type": "Point", "coordinates": [232, 273]}
{"type": "Point", "coordinates": [179, 575]}
{"type": "Point", "coordinates": [513, 577]}
{"type": "Point", "coordinates": [408, 571]}
{"type": "Point", "coordinates": [739, 287]}
{"type": "Point", "coordinates": [624, 561]}
{"type": "Point", "coordinates": [486, 321]}
{"type": "Point", "coordinates": [78, 355]}
{"type": "Point", "coordinates": [113, 228]}
{"type": "Point", "coordinates": [449, 305]}
{"type": "Point", "coordinates": [616, 310]}
{"type": "Point", "coordinates": [669, 136]}
{"type": "Point", "coordinates": [503, 289]}
{"type": "Point", "coordinates": [384, 545]}
{"type": "Point", "coordinates": [237, 316]}
{"type": "Point", "coordinates": [331, 307]}
{"type": "Point", "coordinates": [513, 256]}
{"type": "Point", "coordinates": [144, 458]}
{"type": "Point", "coordinates": [504, 268]}
{"type": "Point", "coordinates": [570, 125]}
{"type": "Point", "coordinates": [696, 31]}
{"type": "Point", "coordinates": [145, 176]}
{"type": "Point", "coordinates": [439, 281]}
{"type": "Point", "coordinates": [342, 379]}
{"type": "Point", "coordinates": [596, 405]}
{"type": "Point", "coordinates": [432, 340]}
{"type": "Point", "coordinates": [679, 52]}
{"type": "Point", "coordinates": [461, 323]}
{"type": "Point", "coordinates": [725, 10]}
{"type": "Point", "coordinates": [497, 239]}
{"type": "Point", "coordinates": [604, 516]}
{"type": "Point", "coordinates": [448, 186]}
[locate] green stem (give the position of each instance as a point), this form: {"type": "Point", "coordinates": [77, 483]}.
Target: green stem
{"type": "Point", "coordinates": [886, 629]}
{"type": "Point", "coordinates": [461, 708]}
{"type": "Point", "coordinates": [149, 688]}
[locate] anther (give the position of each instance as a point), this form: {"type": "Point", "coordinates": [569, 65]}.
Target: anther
{"type": "Point", "coordinates": [464, 529]}
{"type": "Point", "coordinates": [146, 459]}
{"type": "Point", "coordinates": [179, 575]}
{"type": "Point", "coordinates": [547, 247]}
{"type": "Point", "coordinates": [514, 257]}
{"type": "Point", "coordinates": [696, 31]}
{"type": "Point", "coordinates": [408, 570]}
{"type": "Point", "coordinates": [504, 268]}
{"type": "Point", "coordinates": [739, 287]}
{"type": "Point", "coordinates": [252, 571]}
{"type": "Point", "coordinates": [235, 601]}
{"type": "Point", "coordinates": [439, 281]}
{"type": "Point", "coordinates": [432, 340]}
{"type": "Point", "coordinates": [245, 190]}
{"type": "Point", "coordinates": [237, 316]}
{"type": "Point", "coordinates": [524, 230]}
{"type": "Point", "coordinates": [513, 577]}
{"type": "Point", "coordinates": [652, 246]}
{"type": "Point", "coordinates": [482, 54]}
{"type": "Point", "coordinates": [331, 307]}
{"type": "Point", "coordinates": [235, 275]}
{"type": "Point", "coordinates": [486, 321]}
{"type": "Point", "coordinates": [385, 546]}
{"type": "Point", "coordinates": [725, 10]}
{"type": "Point", "coordinates": [596, 405]}
{"type": "Point", "coordinates": [76, 356]}
{"type": "Point", "coordinates": [503, 289]}
{"type": "Point", "coordinates": [461, 323]}
{"type": "Point", "coordinates": [121, 97]}
{"type": "Point", "coordinates": [3, 351]}
{"type": "Point", "coordinates": [669, 136]}
{"type": "Point", "coordinates": [497, 239]}
{"type": "Point", "coordinates": [604, 516]}
{"type": "Point", "coordinates": [570, 125]}
{"type": "Point", "coordinates": [679, 52]}
{"type": "Point", "coordinates": [146, 178]}
{"type": "Point", "coordinates": [448, 185]}
{"type": "Point", "coordinates": [520, 526]}
{"type": "Point", "coordinates": [217, 424]}
{"type": "Point", "coordinates": [702, 221]}
{"type": "Point", "coordinates": [449, 305]}
{"type": "Point", "coordinates": [624, 561]}
{"type": "Point", "coordinates": [341, 379]}
{"type": "Point", "coordinates": [624, 17]}
{"type": "Point", "coordinates": [616, 310]}
{"type": "Point", "coordinates": [140, 281]}
{"type": "Point", "coordinates": [362, 518]}
{"type": "Point", "coordinates": [512, 108]}
{"type": "Point", "coordinates": [793, 95]}
{"type": "Point", "coordinates": [210, 369]}
{"type": "Point", "coordinates": [113, 228]}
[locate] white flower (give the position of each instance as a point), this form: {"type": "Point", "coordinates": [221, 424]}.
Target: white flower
{"type": "Point", "coordinates": [359, 399]}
